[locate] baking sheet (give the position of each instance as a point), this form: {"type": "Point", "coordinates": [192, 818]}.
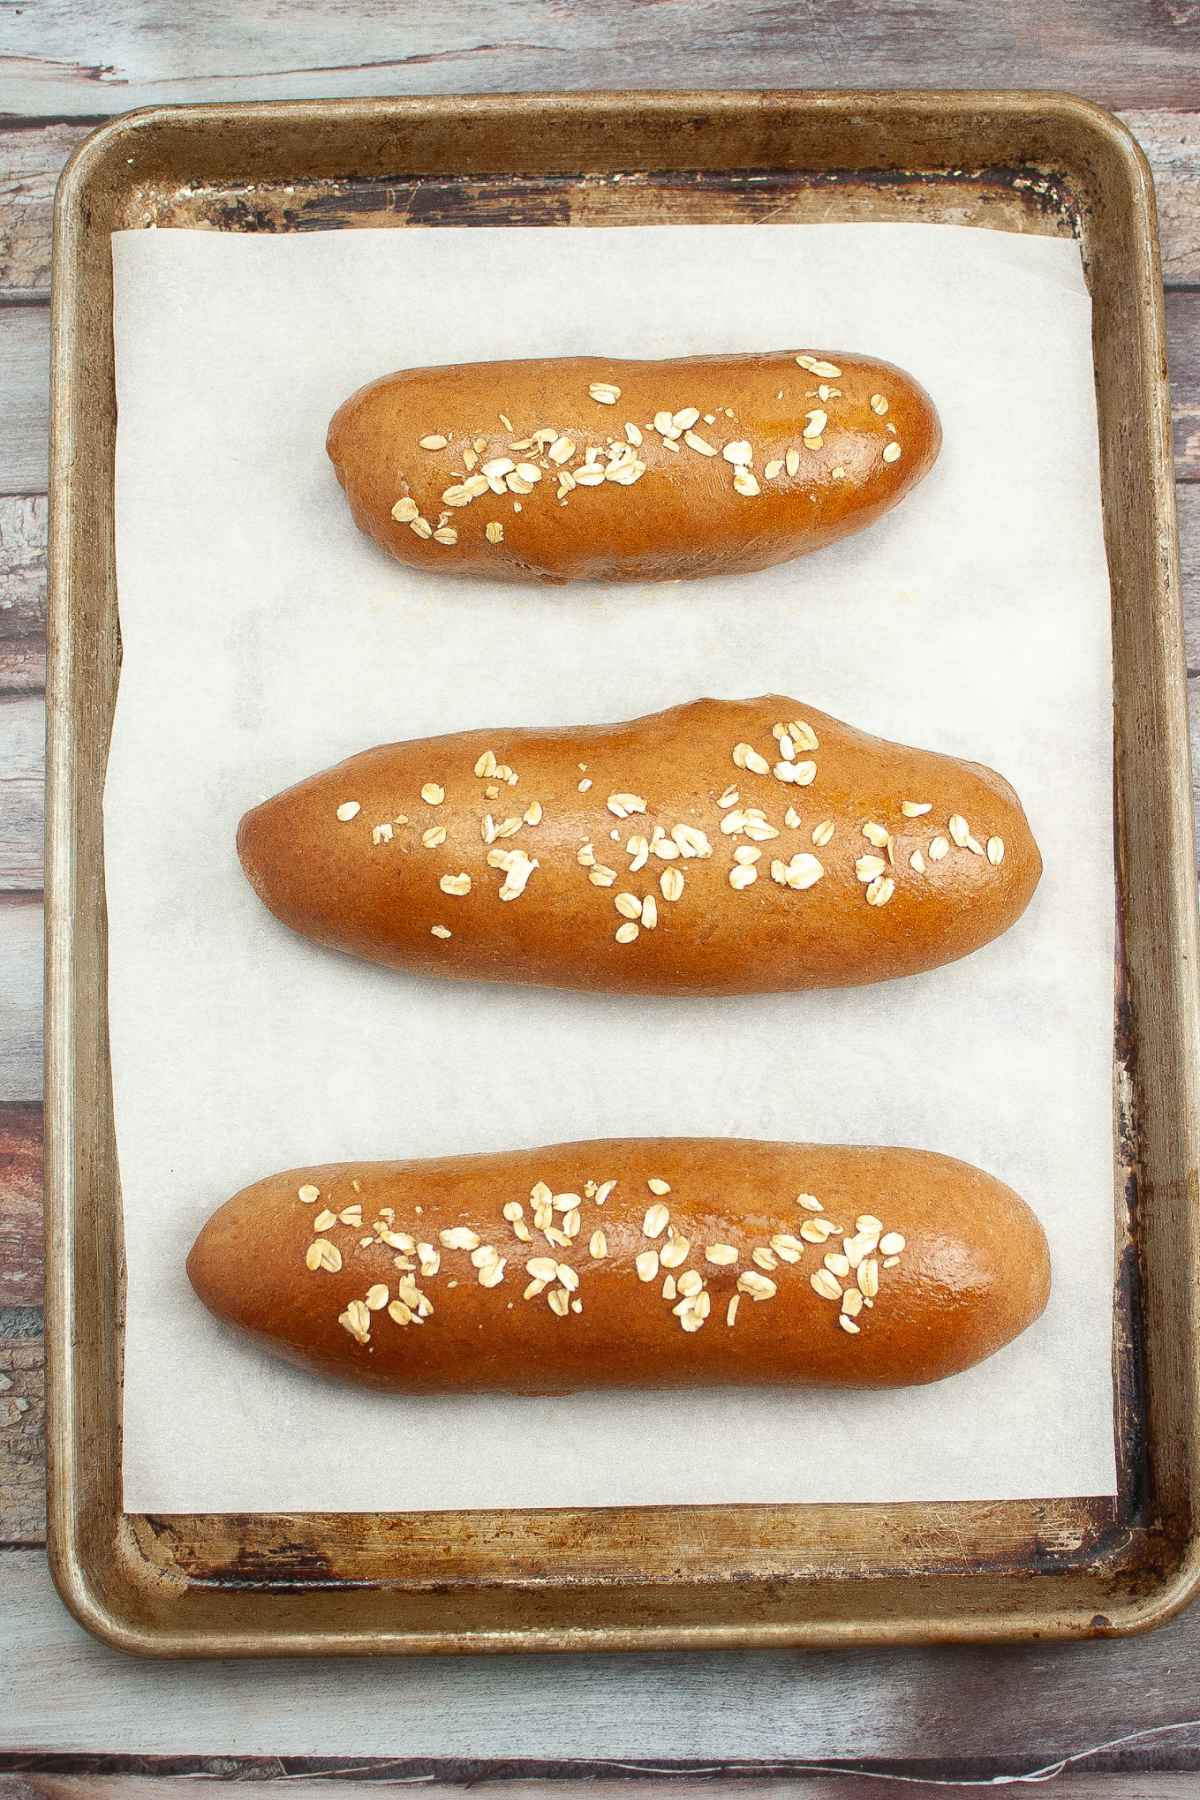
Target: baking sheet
{"type": "Point", "coordinates": [264, 639]}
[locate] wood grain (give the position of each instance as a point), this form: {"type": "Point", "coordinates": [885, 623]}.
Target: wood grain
{"type": "Point", "coordinates": [23, 567]}
{"type": "Point", "coordinates": [25, 359]}
{"type": "Point", "coordinates": [23, 760]}
{"type": "Point", "coordinates": [142, 1778]}
{"type": "Point", "coordinates": [22, 1431]}
{"type": "Point", "coordinates": [64, 60]}
{"type": "Point", "coordinates": [1183, 358]}
{"type": "Point", "coordinates": [20, 1210]}
{"type": "Point", "coordinates": [20, 997]}
{"type": "Point", "coordinates": [30, 160]}
{"type": "Point", "coordinates": [22, 594]}
{"type": "Point", "coordinates": [1171, 141]}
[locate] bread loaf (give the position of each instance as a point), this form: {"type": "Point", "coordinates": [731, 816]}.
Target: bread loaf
{"type": "Point", "coordinates": [719, 848]}
{"type": "Point", "coordinates": [658, 1262]}
{"type": "Point", "coordinates": [590, 469]}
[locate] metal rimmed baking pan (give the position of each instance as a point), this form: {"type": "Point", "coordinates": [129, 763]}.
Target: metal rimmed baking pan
{"type": "Point", "coordinates": [649, 1577]}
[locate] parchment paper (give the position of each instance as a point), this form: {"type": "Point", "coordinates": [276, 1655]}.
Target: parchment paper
{"type": "Point", "coordinates": [264, 639]}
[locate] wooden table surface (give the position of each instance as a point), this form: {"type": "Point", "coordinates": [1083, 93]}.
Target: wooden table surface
{"type": "Point", "coordinates": [73, 1713]}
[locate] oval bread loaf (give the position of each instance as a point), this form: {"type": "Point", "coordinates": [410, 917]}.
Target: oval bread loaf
{"type": "Point", "coordinates": [589, 469]}
{"type": "Point", "coordinates": [718, 848]}
{"type": "Point", "coordinates": [658, 1262]}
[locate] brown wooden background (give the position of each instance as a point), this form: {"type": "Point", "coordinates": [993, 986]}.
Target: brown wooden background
{"type": "Point", "coordinates": [75, 1716]}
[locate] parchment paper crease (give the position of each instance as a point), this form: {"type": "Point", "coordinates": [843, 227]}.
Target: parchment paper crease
{"type": "Point", "coordinates": [264, 639]}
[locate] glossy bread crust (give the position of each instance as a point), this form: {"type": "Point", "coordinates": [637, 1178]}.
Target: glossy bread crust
{"type": "Point", "coordinates": [682, 853]}
{"type": "Point", "coordinates": [825, 446]}
{"type": "Point", "coordinates": [651, 1240]}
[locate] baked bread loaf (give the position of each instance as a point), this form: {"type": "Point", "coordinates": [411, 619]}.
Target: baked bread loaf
{"type": "Point", "coordinates": [729, 846]}
{"type": "Point", "coordinates": [659, 1262]}
{"type": "Point", "coordinates": [589, 469]}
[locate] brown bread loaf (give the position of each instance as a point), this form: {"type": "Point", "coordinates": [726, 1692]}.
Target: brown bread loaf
{"type": "Point", "coordinates": [658, 1262]}
{"type": "Point", "coordinates": [590, 469]}
{"type": "Point", "coordinates": [718, 848]}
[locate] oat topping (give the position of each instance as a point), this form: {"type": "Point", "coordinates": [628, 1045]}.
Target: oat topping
{"type": "Point", "coordinates": [518, 467]}
{"type": "Point", "coordinates": [849, 1275]}
{"type": "Point", "coordinates": [894, 859]}
{"type": "Point", "coordinates": [517, 869]}
{"type": "Point", "coordinates": [817, 366]}
{"type": "Point", "coordinates": [323, 1254]}
{"type": "Point", "coordinates": [803, 871]}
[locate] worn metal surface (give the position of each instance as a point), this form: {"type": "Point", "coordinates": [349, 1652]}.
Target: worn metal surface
{"type": "Point", "coordinates": [638, 1578]}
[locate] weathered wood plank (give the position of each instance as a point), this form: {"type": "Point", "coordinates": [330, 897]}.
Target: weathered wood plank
{"type": "Point", "coordinates": [32, 155]}
{"type": "Point", "coordinates": [997, 1710]}
{"type": "Point", "coordinates": [1183, 361]}
{"type": "Point", "coordinates": [22, 665]}
{"type": "Point", "coordinates": [30, 161]}
{"type": "Point", "coordinates": [25, 360]}
{"type": "Point", "coordinates": [20, 997]}
{"type": "Point", "coordinates": [1187, 503]}
{"type": "Point", "coordinates": [1171, 141]}
{"type": "Point", "coordinates": [22, 1432]}
{"type": "Point", "coordinates": [20, 1207]}
{"type": "Point", "coordinates": [22, 771]}
{"type": "Point", "coordinates": [22, 593]}
{"type": "Point", "coordinates": [139, 1778]}
{"type": "Point", "coordinates": [22, 567]}
{"type": "Point", "coordinates": [66, 61]}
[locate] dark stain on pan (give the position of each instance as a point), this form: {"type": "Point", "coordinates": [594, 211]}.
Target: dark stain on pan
{"type": "Point", "coordinates": [566, 198]}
